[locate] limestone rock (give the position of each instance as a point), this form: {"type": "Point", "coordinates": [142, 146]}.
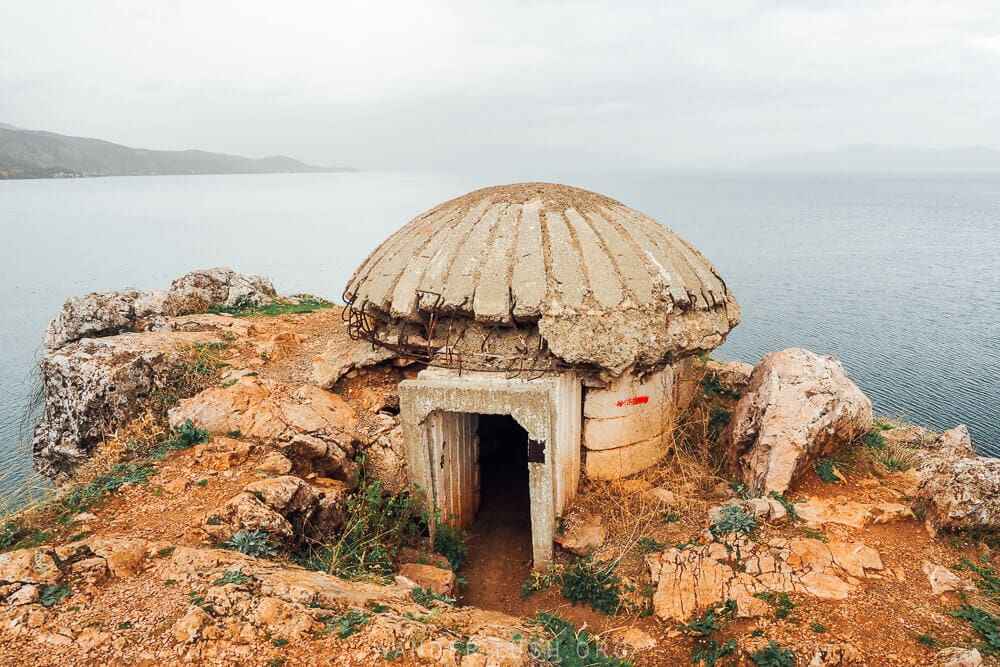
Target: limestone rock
{"type": "Point", "coordinates": [837, 655]}
{"type": "Point", "coordinates": [28, 566]}
{"type": "Point", "coordinates": [198, 291]}
{"type": "Point", "coordinates": [26, 594]}
{"type": "Point", "coordinates": [221, 453]}
{"type": "Point", "coordinates": [271, 412]}
{"type": "Point", "coordinates": [339, 357]}
{"type": "Point", "coordinates": [798, 407]}
{"type": "Point", "coordinates": [960, 494]}
{"type": "Point", "coordinates": [818, 511]}
{"type": "Point", "coordinates": [584, 537]}
{"type": "Point", "coordinates": [695, 578]}
{"type": "Point", "coordinates": [125, 557]}
{"type": "Point", "coordinates": [95, 315]}
{"type": "Point", "coordinates": [385, 460]}
{"type": "Point", "coordinates": [943, 580]}
{"type": "Point", "coordinates": [95, 385]}
{"type": "Point", "coordinates": [958, 657]}
{"type": "Point", "coordinates": [276, 464]}
{"type": "Point", "coordinates": [190, 626]}
{"type": "Point", "coordinates": [440, 580]}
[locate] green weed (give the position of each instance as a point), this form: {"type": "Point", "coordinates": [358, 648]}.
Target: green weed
{"type": "Point", "coordinates": [984, 624]}
{"type": "Point", "coordinates": [773, 655]}
{"type": "Point", "coordinates": [593, 582]}
{"type": "Point", "coordinates": [52, 594]}
{"type": "Point", "coordinates": [710, 652]}
{"type": "Point", "coordinates": [826, 472]}
{"type": "Point", "coordinates": [255, 543]}
{"type": "Point", "coordinates": [733, 518]}
{"type": "Point", "coordinates": [303, 305]}
{"type": "Point", "coordinates": [568, 647]}
{"type": "Point", "coordinates": [450, 542]}
{"type": "Point", "coordinates": [711, 620]}
{"type": "Point", "coordinates": [234, 577]}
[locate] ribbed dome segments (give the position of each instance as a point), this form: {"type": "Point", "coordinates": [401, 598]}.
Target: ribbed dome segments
{"type": "Point", "coordinates": [529, 249]}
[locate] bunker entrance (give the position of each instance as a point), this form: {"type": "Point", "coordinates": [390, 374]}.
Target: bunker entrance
{"type": "Point", "coordinates": [500, 546]}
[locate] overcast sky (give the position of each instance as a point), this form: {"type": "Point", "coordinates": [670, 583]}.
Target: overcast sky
{"type": "Point", "coordinates": [410, 83]}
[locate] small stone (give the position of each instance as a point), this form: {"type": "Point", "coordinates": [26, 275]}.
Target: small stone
{"type": "Point", "coordinates": [24, 595]}
{"type": "Point", "coordinates": [943, 580]}
{"type": "Point", "coordinates": [276, 464]}
{"type": "Point", "coordinates": [636, 639]}
{"type": "Point", "coordinates": [177, 485]}
{"type": "Point", "coordinates": [438, 579]}
{"type": "Point", "coordinates": [665, 496]}
{"type": "Point", "coordinates": [776, 511]}
{"type": "Point", "coordinates": [583, 538]}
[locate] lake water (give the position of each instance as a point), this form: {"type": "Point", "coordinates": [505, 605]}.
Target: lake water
{"type": "Point", "coordinates": [897, 274]}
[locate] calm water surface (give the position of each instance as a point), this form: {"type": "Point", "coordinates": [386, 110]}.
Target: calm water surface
{"type": "Point", "coordinates": [897, 274]}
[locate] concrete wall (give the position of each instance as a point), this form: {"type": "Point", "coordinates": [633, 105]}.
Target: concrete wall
{"type": "Point", "coordinates": [437, 411]}
{"type": "Point", "coordinates": [628, 426]}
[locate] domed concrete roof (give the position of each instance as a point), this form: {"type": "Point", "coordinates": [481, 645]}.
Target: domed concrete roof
{"type": "Point", "coordinates": [540, 252]}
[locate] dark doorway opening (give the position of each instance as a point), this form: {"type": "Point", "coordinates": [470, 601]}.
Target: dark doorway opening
{"type": "Point", "coordinates": [499, 558]}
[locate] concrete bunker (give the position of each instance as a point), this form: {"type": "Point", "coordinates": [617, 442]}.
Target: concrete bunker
{"type": "Point", "coordinates": [562, 309]}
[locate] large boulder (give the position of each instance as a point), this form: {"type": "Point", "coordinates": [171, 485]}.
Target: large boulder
{"type": "Point", "coordinates": [798, 407]}
{"type": "Point", "coordinates": [317, 428]}
{"type": "Point", "coordinates": [958, 490]}
{"type": "Point", "coordinates": [200, 290]}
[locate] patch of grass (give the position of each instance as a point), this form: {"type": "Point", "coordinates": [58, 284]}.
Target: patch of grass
{"type": "Point", "coordinates": [671, 517]}
{"type": "Point", "coordinates": [814, 535]}
{"type": "Point", "coordinates": [52, 594]}
{"type": "Point", "coordinates": [988, 581]}
{"type": "Point", "coordinates": [425, 597]}
{"type": "Point", "coordinates": [733, 518]}
{"type": "Point", "coordinates": [773, 655]}
{"type": "Point", "coordinates": [718, 417]}
{"type": "Point", "coordinates": [825, 471]}
{"type": "Point", "coordinates": [593, 582]}
{"type": "Point", "coordinates": [451, 542]}
{"type": "Point", "coordinates": [711, 387]}
{"type": "Point", "coordinates": [392, 654]}
{"type": "Point", "coordinates": [568, 647]}
{"type": "Point", "coordinates": [279, 307]}
{"type": "Point", "coordinates": [82, 498]}
{"type": "Point", "coordinates": [984, 624]}
{"type": "Point", "coordinates": [234, 577]}
{"type": "Point", "coordinates": [648, 545]}
{"type": "Point", "coordinates": [255, 543]}
{"type": "Point", "coordinates": [927, 640]}
{"type": "Point", "coordinates": [375, 528]}
{"type": "Point", "coordinates": [710, 652]}
{"type": "Point", "coordinates": [711, 620]}
{"type": "Point", "coordinates": [204, 360]}
{"type": "Point", "coordinates": [817, 627]}
{"type": "Point", "coordinates": [873, 440]}
{"type": "Point", "coordinates": [165, 552]}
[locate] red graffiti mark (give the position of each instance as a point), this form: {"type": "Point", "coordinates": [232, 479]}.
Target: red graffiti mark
{"type": "Point", "coordinates": [635, 400]}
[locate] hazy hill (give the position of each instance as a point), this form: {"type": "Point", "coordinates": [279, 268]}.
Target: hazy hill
{"type": "Point", "coordinates": [869, 156]}
{"type": "Point", "coordinates": [31, 154]}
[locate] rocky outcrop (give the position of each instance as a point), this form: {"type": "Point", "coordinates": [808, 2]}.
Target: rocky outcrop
{"type": "Point", "coordinates": [957, 489]}
{"type": "Point", "coordinates": [96, 314]}
{"type": "Point", "coordinates": [733, 375]}
{"type": "Point", "coordinates": [93, 386]}
{"type": "Point", "coordinates": [317, 429]}
{"type": "Point", "coordinates": [695, 578]}
{"type": "Point", "coordinates": [284, 507]}
{"type": "Point", "coordinates": [798, 407]}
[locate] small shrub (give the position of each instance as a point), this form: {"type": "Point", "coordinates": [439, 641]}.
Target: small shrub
{"type": "Point", "coordinates": [710, 652]}
{"type": "Point", "coordinates": [464, 647]}
{"type": "Point", "coordinates": [782, 604]}
{"type": "Point", "coordinates": [817, 627]}
{"type": "Point", "coordinates": [539, 582]}
{"type": "Point", "coordinates": [671, 517]}
{"type": "Point", "coordinates": [988, 581]}
{"type": "Point", "coordinates": [985, 625]}
{"type": "Point", "coordinates": [711, 386]}
{"type": "Point", "coordinates": [52, 594]}
{"type": "Point", "coordinates": [826, 472]}
{"type": "Point", "coordinates": [375, 528]}
{"type": "Point", "coordinates": [773, 655]}
{"type": "Point", "coordinates": [234, 577]}
{"type": "Point", "coordinates": [733, 518]}
{"type": "Point", "coordinates": [648, 545]}
{"type": "Point", "coordinates": [280, 641]}
{"type": "Point", "coordinates": [568, 647]}
{"type": "Point", "coordinates": [927, 640]}
{"type": "Point", "coordinates": [711, 620]}
{"type": "Point", "coordinates": [188, 435]}
{"type": "Point", "coordinates": [425, 597]}
{"type": "Point", "coordinates": [814, 535]}
{"type": "Point", "coordinates": [718, 417]}
{"type": "Point", "coordinates": [347, 624]}
{"type": "Point", "coordinates": [450, 542]}
{"type": "Point", "coordinates": [873, 439]}
{"type": "Point", "coordinates": [255, 543]}
{"type": "Point", "coordinates": [594, 582]}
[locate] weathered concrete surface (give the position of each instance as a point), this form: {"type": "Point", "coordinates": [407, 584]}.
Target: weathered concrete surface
{"type": "Point", "coordinates": [606, 285]}
{"type": "Point", "coordinates": [439, 412]}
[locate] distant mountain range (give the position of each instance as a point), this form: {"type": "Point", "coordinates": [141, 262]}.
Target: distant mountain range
{"type": "Point", "coordinates": [31, 154]}
{"type": "Point", "coordinates": [866, 156]}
